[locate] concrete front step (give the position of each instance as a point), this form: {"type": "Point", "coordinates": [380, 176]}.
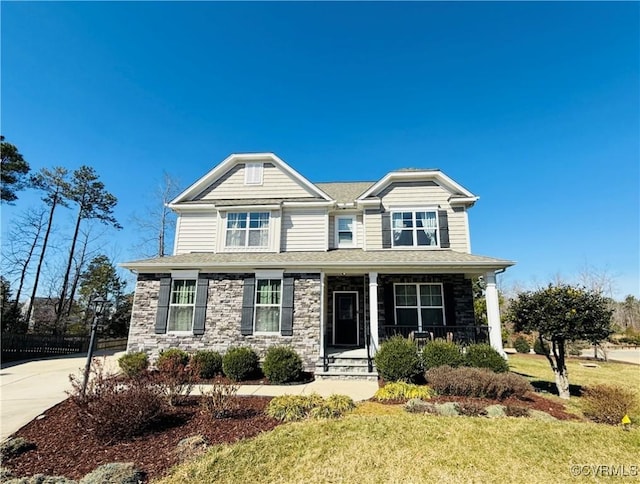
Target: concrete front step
{"type": "Point", "coordinates": [345, 375]}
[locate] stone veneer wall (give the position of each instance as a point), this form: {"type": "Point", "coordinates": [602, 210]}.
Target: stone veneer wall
{"type": "Point", "coordinates": [462, 294]}
{"type": "Point", "coordinates": [222, 322]}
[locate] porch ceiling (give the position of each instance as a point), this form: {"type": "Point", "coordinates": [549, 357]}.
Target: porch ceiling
{"type": "Point", "coordinates": [333, 261]}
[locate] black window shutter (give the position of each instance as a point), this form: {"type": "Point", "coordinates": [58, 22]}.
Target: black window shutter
{"type": "Point", "coordinates": [201, 305]}
{"type": "Point", "coordinates": [443, 223]}
{"type": "Point", "coordinates": [287, 306]}
{"type": "Point", "coordinates": [163, 305]}
{"type": "Point", "coordinates": [386, 230]}
{"type": "Point", "coordinates": [449, 304]}
{"type": "Point", "coordinates": [246, 324]}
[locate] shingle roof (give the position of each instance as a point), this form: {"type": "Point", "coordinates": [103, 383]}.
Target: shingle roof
{"type": "Point", "coordinates": [344, 192]}
{"type": "Point", "coordinates": [391, 260]}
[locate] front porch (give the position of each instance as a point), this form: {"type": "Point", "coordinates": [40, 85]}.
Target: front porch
{"type": "Point", "coordinates": [362, 310]}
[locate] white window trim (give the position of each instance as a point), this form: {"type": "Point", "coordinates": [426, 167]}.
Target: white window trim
{"type": "Point", "coordinates": [414, 229]}
{"type": "Point", "coordinates": [357, 310]}
{"type": "Point", "coordinates": [247, 230]}
{"type": "Point", "coordinates": [279, 306]}
{"type": "Point", "coordinates": [253, 173]}
{"type": "Point", "coordinates": [182, 276]}
{"type": "Point", "coordinates": [419, 306]}
{"type": "Point", "coordinates": [354, 232]}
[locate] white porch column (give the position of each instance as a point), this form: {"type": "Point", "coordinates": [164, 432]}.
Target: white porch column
{"type": "Point", "coordinates": [323, 297]}
{"type": "Point", "coordinates": [373, 310]}
{"type": "Point", "coordinates": [493, 313]}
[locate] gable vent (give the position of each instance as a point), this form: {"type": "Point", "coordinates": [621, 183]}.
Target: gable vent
{"type": "Point", "coordinates": [253, 173]}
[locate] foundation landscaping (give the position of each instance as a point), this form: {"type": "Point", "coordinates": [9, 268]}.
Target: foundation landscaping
{"type": "Point", "coordinates": [441, 413]}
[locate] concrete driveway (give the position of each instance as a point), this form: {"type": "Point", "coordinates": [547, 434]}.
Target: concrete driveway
{"type": "Point", "coordinates": [29, 388]}
{"type": "Point", "coordinates": [625, 355]}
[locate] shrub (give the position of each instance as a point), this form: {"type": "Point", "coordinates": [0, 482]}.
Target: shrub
{"type": "Point", "coordinates": [113, 410]}
{"type": "Point", "coordinates": [208, 362]}
{"type": "Point", "coordinates": [290, 408]}
{"type": "Point", "coordinates": [401, 391]}
{"type": "Point", "coordinates": [282, 364]}
{"type": "Point", "coordinates": [541, 349]}
{"type": "Point", "coordinates": [516, 411]}
{"type": "Point", "coordinates": [608, 403]}
{"type": "Point", "coordinates": [120, 472]}
{"type": "Point", "coordinates": [14, 446]}
{"type": "Point", "coordinates": [339, 404]}
{"type": "Point", "coordinates": [133, 364]}
{"type": "Point", "coordinates": [219, 401]}
{"type": "Point", "coordinates": [476, 382]}
{"type": "Point", "coordinates": [240, 363]}
{"type": "Point", "coordinates": [471, 409]}
{"type": "Point", "coordinates": [172, 357]}
{"type": "Point", "coordinates": [484, 356]}
{"type": "Point", "coordinates": [440, 353]}
{"type": "Point", "coordinates": [521, 345]}
{"type": "Point", "coordinates": [176, 375]}
{"type": "Point", "coordinates": [397, 359]}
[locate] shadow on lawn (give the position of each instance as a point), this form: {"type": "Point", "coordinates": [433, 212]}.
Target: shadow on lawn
{"type": "Point", "coordinates": [550, 387]}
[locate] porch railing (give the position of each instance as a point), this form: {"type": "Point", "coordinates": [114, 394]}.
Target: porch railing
{"type": "Point", "coordinates": [463, 335]}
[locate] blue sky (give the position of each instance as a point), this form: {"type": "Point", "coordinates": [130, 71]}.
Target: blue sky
{"type": "Point", "coordinates": [534, 107]}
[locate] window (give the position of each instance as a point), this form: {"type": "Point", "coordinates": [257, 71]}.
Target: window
{"type": "Point", "coordinates": [267, 306]}
{"type": "Point", "coordinates": [253, 173]}
{"type": "Point", "coordinates": [345, 235]}
{"type": "Point", "coordinates": [415, 229]}
{"type": "Point", "coordinates": [181, 305]}
{"type": "Point", "coordinates": [419, 305]}
{"type": "Point", "coordinates": [247, 229]}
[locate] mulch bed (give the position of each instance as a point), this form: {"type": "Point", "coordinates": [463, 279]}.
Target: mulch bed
{"type": "Point", "coordinates": [63, 448]}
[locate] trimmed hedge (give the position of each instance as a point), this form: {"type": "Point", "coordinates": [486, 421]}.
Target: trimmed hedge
{"type": "Point", "coordinates": [240, 363]}
{"type": "Point", "coordinates": [484, 356]}
{"type": "Point", "coordinates": [439, 353]}
{"type": "Point", "coordinates": [209, 363]}
{"type": "Point", "coordinates": [282, 364]}
{"type": "Point", "coordinates": [397, 359]}
{"type": "Point", "coordinates": [133, 364]}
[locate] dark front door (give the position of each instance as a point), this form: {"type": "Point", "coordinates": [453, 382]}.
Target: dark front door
{"type": "Point", "coordinates": [345, 318]}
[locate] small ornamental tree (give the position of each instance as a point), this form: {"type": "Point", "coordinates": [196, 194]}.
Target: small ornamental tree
{"type": "Point", "coordinates": [561, 314]}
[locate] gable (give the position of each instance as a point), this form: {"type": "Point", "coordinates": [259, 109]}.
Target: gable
{"type": "Point", "coordinates": [419, 186]}
{"type": "Point", "coordinates": [251, 176]}
{"type": "Point", "coordinates": [275, 183]}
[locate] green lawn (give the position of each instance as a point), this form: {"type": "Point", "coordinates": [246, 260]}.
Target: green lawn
{"type": "Point", "coordinates": [536, 367]}
{"type": "Point", "coordinates": [402, 447]}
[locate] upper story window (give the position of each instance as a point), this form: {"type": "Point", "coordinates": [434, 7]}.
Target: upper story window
{"type": "Point", "coordinates": [345, 232]}
{"type": "Point", "coordinates": [253, 173]}
{"type": "Point", "coordinates": [415, 228]}
{"type": "Point", "coordinates": [247, 229]}
{"type": "Point", "coordinates": [181, 305]}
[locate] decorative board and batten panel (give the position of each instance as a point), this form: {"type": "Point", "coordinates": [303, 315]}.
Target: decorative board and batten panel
{"type": "Point", "coordinates": [275, 184]}
{"type": "Point", "coordinates": [304, 230]}
{"type": "Point", "coordinates": [196, 232]}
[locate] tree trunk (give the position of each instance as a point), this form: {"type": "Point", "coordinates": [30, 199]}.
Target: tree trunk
{"type": "Point", "coordinates": [76, 277]}
{"type": "Point", "coordinates": [65, 282]}
{"type": "Point", "coordinates": [54, 204]}
{"type": "Point", "coordinates": [27, 262]}
{"type": "Point", "coordinates": [562, 383]}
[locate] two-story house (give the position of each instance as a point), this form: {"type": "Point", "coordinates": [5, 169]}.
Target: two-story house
{"type": "Point", "coordinates": [262, 256]}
